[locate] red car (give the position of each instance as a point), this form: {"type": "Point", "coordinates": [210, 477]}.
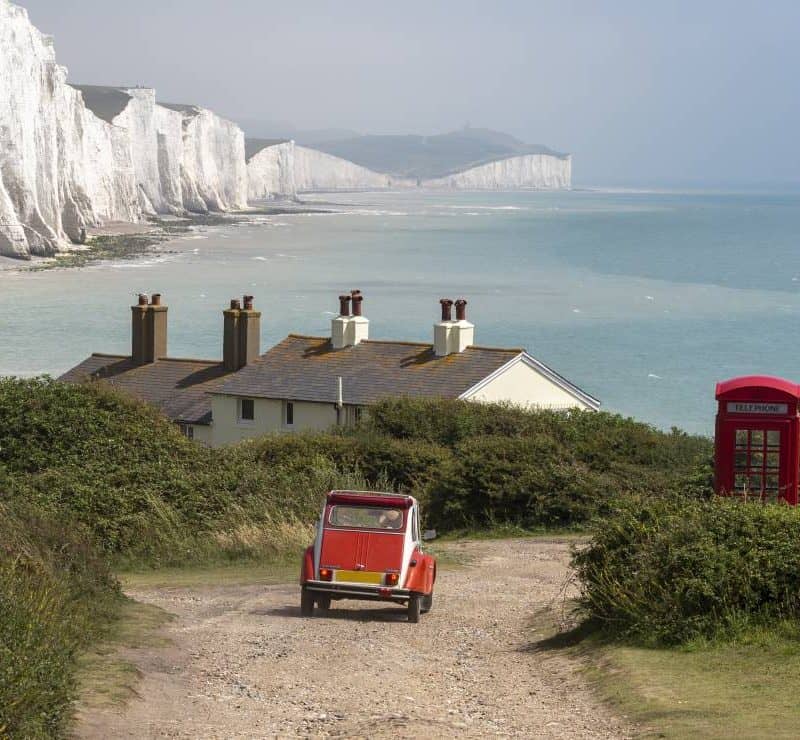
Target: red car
{"type": "Point", "coordinates": [368, 546]}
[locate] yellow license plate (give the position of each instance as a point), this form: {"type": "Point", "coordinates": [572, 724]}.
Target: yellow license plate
{"type": "Point", "coordinates": [358, 576]}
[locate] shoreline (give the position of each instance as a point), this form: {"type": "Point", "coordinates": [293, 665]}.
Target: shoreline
{"type": "Point", "coordinates": [117, 241]}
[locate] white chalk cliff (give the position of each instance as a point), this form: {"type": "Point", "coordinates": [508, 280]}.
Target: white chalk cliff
{"type": "Point", "coordinates": [72, 157]}
{"type": "Point", "coordinates": [61, 168]}
{"type": "Point", "coordinates": [270, 169]}
{"type": "Point", "coordinates": [77, 156]}
{"type": "Point", "coordinates": [527, 171]}
{"type": "Point", "coordinates": [317, 171]}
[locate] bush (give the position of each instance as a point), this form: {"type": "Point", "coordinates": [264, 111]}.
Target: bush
{"type": "Point", "coordinates": [525, 482]}
{"type": "Point", "coordinates": [55, 594]}
{"type": "Point", "coordinates": [669, 571]}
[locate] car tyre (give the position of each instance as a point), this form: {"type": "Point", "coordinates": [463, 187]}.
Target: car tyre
{"type": "Point", "coordinates": [324, 603]}
{"type": "Point", "coordinates": [306, 603]}
{"type": "Point", "coordinates": [413, 609]}
{"type": "Point", "coordinates": [427, 603]}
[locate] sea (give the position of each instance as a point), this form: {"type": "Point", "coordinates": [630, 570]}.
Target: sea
{"type": "Point", "coordinates": [644, 299]}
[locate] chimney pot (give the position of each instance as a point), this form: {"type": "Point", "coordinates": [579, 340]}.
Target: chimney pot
{"type": "Point", "coordinates": [461, 310]}
{"type": "Point", "coordinates": [248, 303]}
{"type": "Point", "coordinates": [142, 299]}
{"type": "Point", "coordinates": [357, 301]}
{"type": "Point", "coordinates": [344, 305]}
{"type": "Point", "coordinates": [447, 309]}
{"type": "Point", "coordinates": [236, 305]}
{"type": "Point", "coordinates": [155, 300]}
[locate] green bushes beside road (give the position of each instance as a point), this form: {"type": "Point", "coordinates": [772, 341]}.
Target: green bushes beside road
{"type": "Point", "coordinates": [673, 571]}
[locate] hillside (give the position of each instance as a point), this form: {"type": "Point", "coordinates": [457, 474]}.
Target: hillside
{"type": "Point", "coordinates": [426, 157]}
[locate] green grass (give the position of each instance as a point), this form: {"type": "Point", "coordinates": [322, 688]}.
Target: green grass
{"type": "Point", "coordinates": [233, 574]}
{"type": "Point", "coordinates": [739, 689]}
{"type": "Point", "coordinates": [107, 678]}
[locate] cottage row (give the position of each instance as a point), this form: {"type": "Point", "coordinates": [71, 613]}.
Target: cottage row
{"type": "Point", "coordinates": [315, 383]}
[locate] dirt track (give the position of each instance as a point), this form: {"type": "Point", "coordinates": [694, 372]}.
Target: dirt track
{"type": "Point", "coordinates": [244, 664]}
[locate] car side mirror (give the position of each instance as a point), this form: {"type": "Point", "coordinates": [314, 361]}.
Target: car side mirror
{"type": "Point", "coordinates": [428, 535]}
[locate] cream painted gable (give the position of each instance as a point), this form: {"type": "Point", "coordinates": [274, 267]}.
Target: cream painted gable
{"type": "Point", "coordinates": [526, 382]}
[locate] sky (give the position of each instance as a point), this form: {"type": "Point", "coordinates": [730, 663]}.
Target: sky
{"type": "Point", "coordinates": [641, 92]}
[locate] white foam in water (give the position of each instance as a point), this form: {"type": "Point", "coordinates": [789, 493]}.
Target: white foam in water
{"type": "Point", "coordinates": [261, 259]}
{"type": "Point", "coordinates": [653, 375]}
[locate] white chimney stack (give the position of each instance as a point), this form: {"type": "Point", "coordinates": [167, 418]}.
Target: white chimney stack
{"type": "Point", "coordinates": [443, 330]}
{"type": "Point", "coordinates": [453, 337]}
{"type": "Point", "coordinates": [463, 333]}
{"type": "Point", "coordinates": [349, 330]}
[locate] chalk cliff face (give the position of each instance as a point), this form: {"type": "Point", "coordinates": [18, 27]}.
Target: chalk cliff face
{"type": "Point", "coordinates": [315, 170]}
{"type": "Point", "coordinates": [530, 171]}
{"type": "Point", "coordinates": [213, 167]}
{"type": "Point", "coordinates": [72, 157]}
{"type": "Point", "coordinates": [61, 168]}
{"type": "Point", "coordinates": [270, 169]}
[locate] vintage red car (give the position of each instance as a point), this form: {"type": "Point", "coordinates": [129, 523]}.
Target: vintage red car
{"type": "Point", "coordinates": [368, 546]}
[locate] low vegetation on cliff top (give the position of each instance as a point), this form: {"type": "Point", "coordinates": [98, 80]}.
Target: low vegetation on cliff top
{"type": "Point", "coordinates": [91, 480]}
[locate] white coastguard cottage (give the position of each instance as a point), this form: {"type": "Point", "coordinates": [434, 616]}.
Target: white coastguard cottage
{"type": "Point", "coordinates": [315, 383]}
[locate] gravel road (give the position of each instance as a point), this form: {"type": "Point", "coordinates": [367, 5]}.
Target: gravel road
{"type": "Point", "coordinates": [242, 663]}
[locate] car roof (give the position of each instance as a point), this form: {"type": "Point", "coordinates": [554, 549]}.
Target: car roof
{"type": "Point", "coordinates": [371, 498]}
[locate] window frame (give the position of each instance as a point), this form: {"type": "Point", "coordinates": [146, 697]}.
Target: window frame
{"type": "Point", "coordinates": [386, 530]}
{"type": "Point", "coordinates": [240, 417]}
{"type": "Point", "coordinates": [288, 411]}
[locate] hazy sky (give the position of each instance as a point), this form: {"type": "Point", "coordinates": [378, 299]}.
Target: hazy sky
{"type": "Point", "coordinates": [640, 91]}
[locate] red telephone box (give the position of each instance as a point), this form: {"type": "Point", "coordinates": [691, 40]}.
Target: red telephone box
{"type": "Point", "coordinates": [757, 438]}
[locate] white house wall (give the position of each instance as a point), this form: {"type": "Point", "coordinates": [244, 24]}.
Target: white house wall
{"type": "Point", "coordinates": [227, 429]}
{"type": "Point", "coordinates": [523, 385]}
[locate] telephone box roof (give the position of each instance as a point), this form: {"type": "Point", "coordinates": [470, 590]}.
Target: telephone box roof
{"type": "Point", "coordinates": [762, 382]}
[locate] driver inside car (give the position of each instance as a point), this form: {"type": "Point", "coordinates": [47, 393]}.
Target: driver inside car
{"type": "Point", "coordinates": [390, 519]}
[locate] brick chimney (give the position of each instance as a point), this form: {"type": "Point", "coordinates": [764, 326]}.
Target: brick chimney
{"type": "Point", "coordinates": [241, 342]}
{"type": "Point", "coordinates": [148, 330]}
{"type": "Point", "coordinates": [348, 330]}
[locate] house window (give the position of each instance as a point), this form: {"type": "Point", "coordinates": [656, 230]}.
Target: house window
{"type": "Point", "coordinates": [354, 414]}
{"type": "Point", "coordinates": [247, 409]}
{"type": "Point", "coordinates": [187, 430]}
{"type": "Point", "coordinates": [288, 413]}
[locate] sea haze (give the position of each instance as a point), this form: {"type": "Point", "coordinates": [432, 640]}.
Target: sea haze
{"type": "Point", "coordinates": [644, 299]}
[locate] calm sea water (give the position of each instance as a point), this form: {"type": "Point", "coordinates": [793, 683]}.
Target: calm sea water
{"type": "Point", "coordinates": [643, 299]}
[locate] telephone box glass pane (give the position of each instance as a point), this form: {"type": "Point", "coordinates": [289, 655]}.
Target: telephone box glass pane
{"type": "Point", "coordinates": [740, 482]}
{"type": "Point", "coordinates": [741, 461]}
{"type": "Point", "coordinates": [741, 438]}
{"type": "Point", "coordinates": [773, 459]}
{"type": "Point", "coordinates": [756, 459]}
{"type": "Point", "coordinates": [773, 438]}
{"type": "Point", "coordinates": [772, 483]}
{"type": "Point", "coordinates": [757, 438]}
{"type": "Point", "coordinates": [755, 483]}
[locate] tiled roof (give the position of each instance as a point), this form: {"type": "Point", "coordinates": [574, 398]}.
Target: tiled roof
{"type": "Point", "coordinates": [306, 369]}
{"type": "Point", "coordinates": [178, 387]}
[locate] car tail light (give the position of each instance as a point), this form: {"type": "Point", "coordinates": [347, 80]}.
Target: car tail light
{"type": "Point", "coordinates": [325, 574]}
{"type": "Point", "coordinates": [392, 579]}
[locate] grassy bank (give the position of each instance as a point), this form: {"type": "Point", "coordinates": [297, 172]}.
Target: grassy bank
{"type": "Point", "coordinates": [691, 612]}
{"type": "Point", "coordinates": [738, 689]}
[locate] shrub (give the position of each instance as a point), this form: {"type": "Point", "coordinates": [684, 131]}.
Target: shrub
{"type": "Point", "coordinates": [55, 594]}
{"type": "Point", "coordinates": [669, 571]}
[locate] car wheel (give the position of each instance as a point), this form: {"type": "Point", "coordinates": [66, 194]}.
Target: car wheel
{"type": "Point", "coordinates": [427, 603]}
{"type": "Point", "coordinates": [413, 609]}
{"type": "Point", "coordinates": [306, 603]}
{"type": "Point", "coordinates": [324, 603]}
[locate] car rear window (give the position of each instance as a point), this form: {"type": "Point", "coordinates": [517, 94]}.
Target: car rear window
{"type": "Point", "coordinates": [366, 517]}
